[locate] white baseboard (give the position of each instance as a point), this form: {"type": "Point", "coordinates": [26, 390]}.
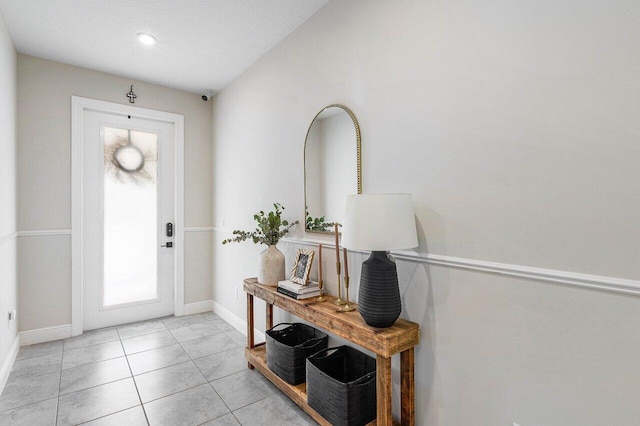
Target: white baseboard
{"type": "Point", "coordinates": [235, 321]}
{"type": "Point", "coordinates": [48, 334]}
{"type": "Point", "coordinates": [198, 307]}
{"type": "Point", "coordinates": [7, 365]}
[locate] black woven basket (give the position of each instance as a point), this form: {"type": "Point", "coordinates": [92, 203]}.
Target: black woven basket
{"type": "Point", "coordinates": [288, 349]}
{"type": "Point", "coordinates": [341, 385]}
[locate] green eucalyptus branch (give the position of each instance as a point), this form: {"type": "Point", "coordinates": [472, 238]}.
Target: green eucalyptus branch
{"type": "Point", "coordinates": [318, 224]}
{"type": "Point", "coordinates": [271, 228]}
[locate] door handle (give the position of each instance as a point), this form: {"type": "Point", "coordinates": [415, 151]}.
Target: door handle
{"type": "Point", "coordinates": [168, 245]}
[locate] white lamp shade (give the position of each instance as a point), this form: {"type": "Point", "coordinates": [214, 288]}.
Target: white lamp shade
{"type": "Point", "coordinates": [379, 222]}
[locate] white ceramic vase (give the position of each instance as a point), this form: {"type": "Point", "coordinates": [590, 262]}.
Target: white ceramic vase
{"type": "Point", "coordinates": [271, 266]}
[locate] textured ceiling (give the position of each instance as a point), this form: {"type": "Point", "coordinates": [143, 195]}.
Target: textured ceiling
{"type": "Point", "coordinates": [202, 44]}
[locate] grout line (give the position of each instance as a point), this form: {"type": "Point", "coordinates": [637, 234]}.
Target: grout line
{"type": "Point", "coordinates": [57, 408]}
{"type": "Point", "coordinates": [43, 354]}
{"type": "Point", "coordinates": [107, 415]}
{"type": "Point", "coordinates": [155, 369]}
{"type": "Point", "coordinates": [134, 381]}
{"type": "Point", "coordinates": [237, 419]}
{"type": "Point", "coordinates": [172, 393]}
{"type": "Point", "coordinates": [59, 384]}
{"type": "Point", "coordinates": [221, 398]}
{"type": "Point", "coordinates": [27, 404]}
{"type": "Point", "coordinates": [94, 363]}
{"type": "Point", "coordinates": [218, 378]}
{"type": "Point", "coordinates": [257, 400]}
{"type": "Point", "coordinates": [96, 386]}
{"type": "Point", "coordinates": [32, 377]}
{"type": "Point", "coordinates": [93, 344]}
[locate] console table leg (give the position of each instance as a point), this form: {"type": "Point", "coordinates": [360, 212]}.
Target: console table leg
{"type": "Point", "coordinates": [269, 321]}
{"type": "Point", "coordinates": [250, 327]}
{"type": "Point", "coordinates": [407, 386]}
{"type": "Point", "coordinates": [383, 390]}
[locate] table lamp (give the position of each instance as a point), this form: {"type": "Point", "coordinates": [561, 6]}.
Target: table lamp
{"type": "Point", "coordinates": [379, 223]}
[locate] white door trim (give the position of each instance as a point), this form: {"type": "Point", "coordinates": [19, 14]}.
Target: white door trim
{"type": "Point", "coordinates": [78, 106]}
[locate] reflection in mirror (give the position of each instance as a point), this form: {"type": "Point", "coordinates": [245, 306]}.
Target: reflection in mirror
{"type": "Point", "coordinates": [331, 167]}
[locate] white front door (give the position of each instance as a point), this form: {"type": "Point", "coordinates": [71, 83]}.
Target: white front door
{"type": "Point", "coordinates": [128, 214]}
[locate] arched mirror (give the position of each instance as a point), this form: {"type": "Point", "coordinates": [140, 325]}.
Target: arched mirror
{"type": "Point", "coordinates": [331, 167]}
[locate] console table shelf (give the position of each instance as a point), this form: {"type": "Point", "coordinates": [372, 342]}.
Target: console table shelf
{"type": "Point", "coordinates": [397, 339]}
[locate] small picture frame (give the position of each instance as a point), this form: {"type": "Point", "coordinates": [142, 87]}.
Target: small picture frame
{"type": "Point", "coordinates": [302, 266]}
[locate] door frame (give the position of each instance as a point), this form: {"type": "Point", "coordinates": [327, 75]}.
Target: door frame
{"type": "Point", "coordinates": [78, 106]}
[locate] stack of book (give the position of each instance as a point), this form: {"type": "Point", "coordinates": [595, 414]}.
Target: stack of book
{"type": "Point", "coordinates": [298, 291]}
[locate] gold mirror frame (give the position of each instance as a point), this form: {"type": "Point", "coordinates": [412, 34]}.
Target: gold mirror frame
{"type": "Point", "coordinates": [358, 156]}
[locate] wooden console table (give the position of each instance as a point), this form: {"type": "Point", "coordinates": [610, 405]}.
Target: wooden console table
{"type": "Point", "coordinates": [384, 342]}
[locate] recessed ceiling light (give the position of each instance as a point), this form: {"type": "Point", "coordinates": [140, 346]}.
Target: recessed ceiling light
{"type": "Point", "coordinates": [147, 39]}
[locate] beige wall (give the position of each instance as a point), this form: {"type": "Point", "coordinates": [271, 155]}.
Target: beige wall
{"type": "Point", "coordinates": [8, 209]}
{"type": "Point", "coordinates": [44, 186]}
{"type": "Point", "coordinates": [515, 127]}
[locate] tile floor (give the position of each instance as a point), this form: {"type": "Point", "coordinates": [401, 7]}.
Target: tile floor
{"type": "Point", "coordinates": [172, 371]}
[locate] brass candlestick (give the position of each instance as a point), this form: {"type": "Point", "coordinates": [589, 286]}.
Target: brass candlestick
{"type": "Point", "coordinates": [346, 307]}
{"type": "Point", "coordinates": [322, 297]}
{"type": "Point", "coordinates": [339, 301]}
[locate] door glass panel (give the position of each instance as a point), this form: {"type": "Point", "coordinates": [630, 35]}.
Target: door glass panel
{"type": "Point", "coordinates": [130, 216]}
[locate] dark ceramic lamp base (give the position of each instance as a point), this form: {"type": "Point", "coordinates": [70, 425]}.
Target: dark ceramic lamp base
{"type": "Point", "coordinates": [379, 296]}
